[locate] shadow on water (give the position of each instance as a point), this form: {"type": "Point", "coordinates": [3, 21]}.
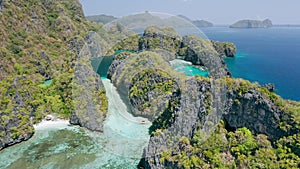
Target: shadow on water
{"type": "Point", "coordinates": [101, 65]}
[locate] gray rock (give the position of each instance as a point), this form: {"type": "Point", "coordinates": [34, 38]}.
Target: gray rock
{"type": "Point", "coordinates": [269, 86]}
{"type": "Point", "coordinates": [87, 86]}
{"type": "Point", "coordinates": [201, 52]}
{"type": "Point", "coordinates": [11, 130]}
{"type": "Point", "coordinates": [1, 6]}
{"type": "Point", "coordinates": [251, 110]}
{"type": "Point", "coordinates": [227, 49]}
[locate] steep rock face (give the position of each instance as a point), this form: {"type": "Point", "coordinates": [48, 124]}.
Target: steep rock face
{"type": "Point", "coordinates": [250, 107]}
{"type": "Point", "coordinates": [1, 6]}
{"type": "Point", "coordinates": [238, 102]}
{"type": "Point", "coordinates": [166, 55]}
{"type": "Point", "coordinates": [201, 52]}
{"type": "Point", "coordinates": [44, 65]}
{"type": "Point", "coordinates": [191, 112]}
{"type": "Point", "coordinates": [35, 36]}
{"type": "Point", "coordinates": [227, 49]}
{"type": "Point", "coordinates": [158, 38]}
{"type": "Point", "coordinates": [16, 120]}
{"type": "Point", "coordinates": [115, 72]}
{"type": "Point", "coordinates": [252, 24]}
{"type": "Point", "coordinates": [144, 81]}
{"type": "Point", "coordinates": [269, 86]}
{"type": "Point", "coordinates": [169, 44]}
{"type": "Point", "coordinates": [88, 87]}
{"type": "Point", "coordinates": [152, 88]}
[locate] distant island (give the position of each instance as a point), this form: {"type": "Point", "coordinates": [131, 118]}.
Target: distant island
{"type": "Point", "coordinates": [198, 23]}
{"type": "Point", "coordinates": [252, 24]}
{"type": "Point", "coordinates": [101, 19]}
{"type": "Point", "coordinates": [104, 19]}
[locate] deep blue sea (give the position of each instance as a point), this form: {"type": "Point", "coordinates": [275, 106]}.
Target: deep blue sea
{"type": "Point", "coordinates": [264, 55]}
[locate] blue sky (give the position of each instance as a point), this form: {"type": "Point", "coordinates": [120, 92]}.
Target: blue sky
{"type": "Point", "coordinates": [216, 11]}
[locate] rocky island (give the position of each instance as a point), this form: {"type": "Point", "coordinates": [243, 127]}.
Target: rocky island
{"type": "Point", "coordinates": [267, 23]}
{"type": "Point", "coordinates": [199, 23]}
{"type": "Point", "coordinates": [201, 112]}
{"type": "Point", "coordinates": [211, 121]}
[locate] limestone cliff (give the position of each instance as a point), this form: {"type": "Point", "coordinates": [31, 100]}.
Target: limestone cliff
{"type": "Point", "coordinates": [191, 48]}
{"type": "Point", "coordinates": [16, 121]}
{"type": "Point", "coordinates": [145, 81]}
{"type": "Point", "coordinates": [238, 119]}
{"type": "Point", "coordinates": [201, 52]}
{"type": "Point", "coordinates": [90, 103]}
{"type": "Point", "coordinates": [35, 48]}
{"type": "Point", "coordinates": [210, 113]}
{"type": "Point", "coordinates": [227, 49]}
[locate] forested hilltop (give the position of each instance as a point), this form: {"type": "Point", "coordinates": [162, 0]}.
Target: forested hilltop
{"type": "Point", "coordinates": [197, 122]}
{"type": "Point", "coordinates": [203, 122]}
{"type": "Point", "coordinates": [40, 43]}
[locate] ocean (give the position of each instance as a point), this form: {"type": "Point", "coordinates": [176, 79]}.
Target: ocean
{"type": "Point", "coordinates": [264, 55]}
{"type": "Point", "coordinates": [269, 55]}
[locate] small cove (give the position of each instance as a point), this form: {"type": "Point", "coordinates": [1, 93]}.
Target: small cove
{"type": "Point", "coordinates": [188, 68]}
{"type": "Point", "coordinates": [63, 146]}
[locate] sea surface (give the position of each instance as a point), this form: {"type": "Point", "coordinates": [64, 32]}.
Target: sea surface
{"type": "Point", "coordinates": [57, 145]}
{"type": "Point", "coordinates": [269, 55]}
{"type": "Point", "coordinates": [264, 55]}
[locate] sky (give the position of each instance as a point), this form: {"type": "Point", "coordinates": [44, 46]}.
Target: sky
{"type": "Point", "coordinates": [216, 11]}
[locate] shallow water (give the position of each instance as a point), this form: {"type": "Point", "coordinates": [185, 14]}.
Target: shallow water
{"type": "Point", "coordinates": [57, 145]}
{"type": "Point", "coordinates": [187, 68]}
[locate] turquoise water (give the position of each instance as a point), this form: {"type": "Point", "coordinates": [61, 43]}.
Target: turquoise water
{"type": "Point", "coordinates": [60, 146]}
{"type": "Point", "coordinates": [264, 55]}
{"type": "Point", "coordinates": [101, 64]}
{"type": "Point", "coordinates": [193, 71]}
{"type": "Point", "coordinates": [120, 51]}
{"type": "Point", "coordinates": [48, 83]}
{"type": "Point", "coordinates": [187, 68]}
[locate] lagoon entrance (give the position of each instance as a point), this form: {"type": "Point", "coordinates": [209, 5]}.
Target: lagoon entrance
{"type": "Point", "coordinates": [58, 145]}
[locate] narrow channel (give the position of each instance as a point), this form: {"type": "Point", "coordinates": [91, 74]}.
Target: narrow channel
{"type": "Point", "coordinates": [58, 145]}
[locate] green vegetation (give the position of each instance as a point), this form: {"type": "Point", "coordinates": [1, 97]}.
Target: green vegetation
{"type": "Point", "coordinates": [154, 38]}
{"type": "Point", "coordinates": [161, 38]}
{"type": "Point", "coordinates": [291, 108]}
{"type": "Point", "coordinates": [103, 100]}
{"type": "Point", "coordinates": [143, 83]}
{"type": "Point", "coordinates": [224, 48]}
{"type": "Point", "coordinates": [234, 149]}
{"type": "Point", "coordinates": [40, 41]}
{"type": "Point", "coordinates": [240, 148]}
{"type": "Point", "coordinates": [35, 46]}
{"type": "Point", "coordinates": [151, 91]}
{"type": "Point", "coordinates": [165, 119]}
{"type": "Point", "coordinates": [128, 44]}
